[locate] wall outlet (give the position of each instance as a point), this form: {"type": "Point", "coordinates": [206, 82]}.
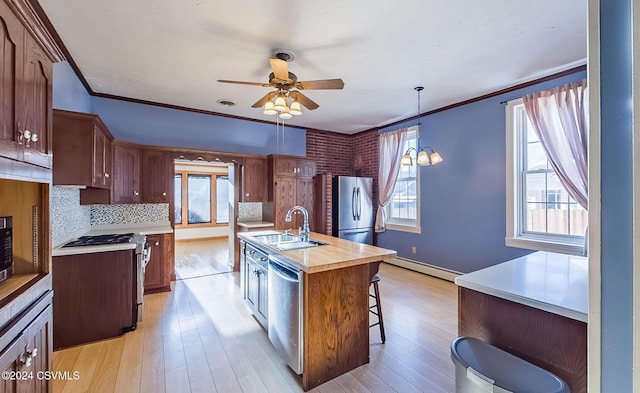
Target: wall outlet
{"type": "Point", "coordinates": [413, 250]}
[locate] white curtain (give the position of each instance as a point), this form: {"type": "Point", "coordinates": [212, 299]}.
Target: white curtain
{"type": "Point", "coordinates": [560, 118]}
{"type": "Point", "coordinates": [391, 146]}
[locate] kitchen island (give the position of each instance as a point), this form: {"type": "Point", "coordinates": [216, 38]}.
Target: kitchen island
{"type": "Point", "coordinates": [535, 307]}
{"type": "Point", "coordinates": [335, 302]}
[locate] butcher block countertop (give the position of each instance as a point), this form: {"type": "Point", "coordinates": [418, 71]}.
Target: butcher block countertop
{"type": "Point", "coordinates": [337, 254]}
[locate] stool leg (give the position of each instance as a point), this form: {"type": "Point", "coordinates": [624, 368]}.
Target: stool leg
{"type": "Point", "coordinates": [379, 309]}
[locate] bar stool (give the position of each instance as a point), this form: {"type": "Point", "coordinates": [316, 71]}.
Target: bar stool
{"type": "Point", "coordinates": [376, 308]}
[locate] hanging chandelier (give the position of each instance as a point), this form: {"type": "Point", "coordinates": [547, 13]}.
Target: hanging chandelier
{"type": "Point", "coordinates": [424, 155]}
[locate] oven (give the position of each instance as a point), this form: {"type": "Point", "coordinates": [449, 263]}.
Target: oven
{"type": "Point", "coordinates": [6, 247]}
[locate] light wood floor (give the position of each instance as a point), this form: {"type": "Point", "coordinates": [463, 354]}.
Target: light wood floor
{"type": "Point", "coordinates": [201, 338]}
{"type": "Point", "coordinates": [196, 258]}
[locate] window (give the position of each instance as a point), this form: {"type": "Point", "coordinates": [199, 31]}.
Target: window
{"type": "Point", "coordinates": [177, 197]}
{"type": "Point", "coordinates": [403, 211]}
{"type": "Point", "coordinates": [201, 197]}
{"type": "Point", "coordinates": [541, 215]}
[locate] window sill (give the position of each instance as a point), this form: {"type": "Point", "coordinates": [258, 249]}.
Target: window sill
{"type": "Point", "coordinates": [403, 228]}
{"type": "Point", "coordinates": [542, 245]}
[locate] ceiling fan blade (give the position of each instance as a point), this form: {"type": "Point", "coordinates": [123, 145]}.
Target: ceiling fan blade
{"type": "Point", "coordinates": [244, 83]}
{"type": "Point", "coordinates": [304, 100]}
{"type": "Point", "coordinates": [260, 103]}
{"type": "Point", "coordinates": [280, 69]}
{"type": "Point", "coordinates": [323, 84]}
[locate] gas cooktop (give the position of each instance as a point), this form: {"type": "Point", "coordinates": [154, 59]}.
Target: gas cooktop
{"type": "Point", "coordinates": [100, 240]}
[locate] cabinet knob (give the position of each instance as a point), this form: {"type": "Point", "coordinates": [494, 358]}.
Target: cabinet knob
{"type": "Point", "coordinates": [157, 243]}
{"type": "Point", "coordinates": [106, 175]}
{"type": "Point", "coordinates": [135, 193]}
{"type": "Point", "coordinates": [164, 194]}
{"type": "Point", "coordinates": [34, 138]}
{"type": "Point", "coordinates": [247, 194]}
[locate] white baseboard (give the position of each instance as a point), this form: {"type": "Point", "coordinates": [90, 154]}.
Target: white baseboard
{"type": "Point", "coordinates": [425, 268]}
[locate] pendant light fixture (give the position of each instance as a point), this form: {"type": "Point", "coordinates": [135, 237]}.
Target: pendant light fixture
{"type": "Point", "coordinates": [278, 105]}
{"type": "Point", "coordinates": [424, 155]}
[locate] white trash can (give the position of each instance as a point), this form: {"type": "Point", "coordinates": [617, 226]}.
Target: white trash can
{"type": "Point", "coordinates": [481, 368]}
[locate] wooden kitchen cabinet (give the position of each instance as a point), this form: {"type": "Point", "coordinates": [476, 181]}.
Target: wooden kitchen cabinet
{"type": "Point", "coordinates": [254, 180]}
{"type": "Point", "coordinates": [83, 150]}
{"type": "Point", "coordinates": [290, 184]}
{"type": "Point", "coordinates": [255, 281]}
{"type": "Point", "coordinates": [157, 176]}
{"type": "Point", "coordinates": [157, 275]}
{"type": "Point", "coordinates": [126, 175]}
{"type": "Point", "coordinates": [25, 93]}
{"type": "Point", "coordinates": [29, 354]}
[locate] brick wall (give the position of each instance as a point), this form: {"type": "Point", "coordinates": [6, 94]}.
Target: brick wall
{"type": "Point", "coordinates": [344, 155]}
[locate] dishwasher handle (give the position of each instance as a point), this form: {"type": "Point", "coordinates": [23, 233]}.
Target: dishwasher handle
{"type": "Point", "coordinates": [283, 272]}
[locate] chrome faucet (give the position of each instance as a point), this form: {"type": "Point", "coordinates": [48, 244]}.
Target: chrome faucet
{"type": "Point", "coordinates": [304, 232]}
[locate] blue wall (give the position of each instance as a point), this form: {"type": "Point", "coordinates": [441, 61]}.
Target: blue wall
{"type": "Point", "coordinates": [462, 200]}
{"type": "Point", "coordinates": [153, 125]}
{"type": "Point", "coordinates": [68, 92]}
{"type": "Point", "coordinates": [616, 245]}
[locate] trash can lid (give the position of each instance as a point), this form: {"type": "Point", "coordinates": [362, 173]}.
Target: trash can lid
{"type": "Point", "coordinates": [504, 369]}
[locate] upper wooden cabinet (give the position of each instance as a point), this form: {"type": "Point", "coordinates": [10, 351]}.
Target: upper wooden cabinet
{"type": "Point", "coordinates": [254, 180]}
{"type": "Point", "coordinates": [83, 150]}
{"type": "Point", "coordinates": [290, 183]}
{"type": "Point", "coordinates": [157, 176]}
{"type": "Point", "coordinates": [126, 177]}
{"type": "Point", "coordinates": [293, 166]}
{"type": "Point", "coordinates": [26, 93]}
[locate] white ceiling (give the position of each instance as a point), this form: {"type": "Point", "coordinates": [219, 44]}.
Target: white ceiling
{"type": "Point", "coordinates": [173, 51]}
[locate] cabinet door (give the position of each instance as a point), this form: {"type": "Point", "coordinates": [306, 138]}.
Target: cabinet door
{"type": "Point", "coordinates": [29, 354]}
{"type": "Point", "coordinates": [304, 198]}
{"type": "Point", "coordinates": [284, 199]}
{"type": "Point", "coordinates": [286, 166]}
{"type": "Point", "coordinates": [251, 291]}
{"type": "Point", "coordinates": [157, 176]}
{"type": "Point", "coordinates": [254, 180]}
{"type": "Point", "coordinates": [36, 110]}
{"type": "Point", "coordinates": [11, 50]}
{"type": "Point", "coordinates": [126, 174]}
{"type": "Point", "coordinates": [155, 270]}
{"type": "Point", "coordinates": [262, 303]}
{"type": "Point", "coordinates": [101, 150]}
{"type": "Point", "coordinates": [306, 168]}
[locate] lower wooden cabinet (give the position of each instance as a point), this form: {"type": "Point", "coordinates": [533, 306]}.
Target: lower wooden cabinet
{"type": "Point", "coordinates": [255, 281]}
{"type": "Point", "coordinates": [26, 362]}
{"type": "Point", "coordinates": [157, 275]}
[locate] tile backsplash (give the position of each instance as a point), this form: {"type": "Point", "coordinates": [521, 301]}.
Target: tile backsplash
{"type": "Point", "coordinates": [129, 214]}
{"type": "Point", "coordinates": [67, 215]}
{"type": "Point", "coordinates": [250, 211]}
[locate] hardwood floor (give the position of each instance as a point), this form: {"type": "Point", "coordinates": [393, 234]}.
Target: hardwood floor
{"type": "Point", "coordinates": [201, 338]}
{"type": "Point", "coordinates": [196, 258]}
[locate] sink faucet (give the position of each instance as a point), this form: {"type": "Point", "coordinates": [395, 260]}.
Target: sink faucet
{"type": "Point", "coordinates": [304, 233]}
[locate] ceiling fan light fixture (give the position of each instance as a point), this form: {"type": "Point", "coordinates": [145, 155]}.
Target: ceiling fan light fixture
{"type": "Point", "coordinates": [280, 104]}
{"type": "Point", "coordinates": [295, 108]}
{"type": "Point", "coordinates": [285, 115]}
{"type": "Point", "coordinates": [269, 109]}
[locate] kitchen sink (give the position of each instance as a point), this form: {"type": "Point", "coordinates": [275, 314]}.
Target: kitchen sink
{"type": "Point", "coordinates": [286, 241]}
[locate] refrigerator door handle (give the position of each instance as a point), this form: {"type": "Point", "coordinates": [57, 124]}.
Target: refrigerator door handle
{"type": "Point", "coordinates": [353, 203]}
{"type": "Point", "coordinates": [359, 199]}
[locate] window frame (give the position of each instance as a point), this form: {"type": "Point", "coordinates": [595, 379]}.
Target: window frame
{"type": "Point", "coordinates": [403, 224]}
{"type": "Point", "coordinates": [516, 235]}
{"type": "Point", "coordinates": [185, 201]}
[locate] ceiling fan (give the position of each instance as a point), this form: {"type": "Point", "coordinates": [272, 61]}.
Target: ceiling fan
{"type": "Point", "coordinates": [287, 88]}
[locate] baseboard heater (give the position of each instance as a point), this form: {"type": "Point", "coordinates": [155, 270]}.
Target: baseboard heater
{"type": "Point", "coordinates": [425, 268]}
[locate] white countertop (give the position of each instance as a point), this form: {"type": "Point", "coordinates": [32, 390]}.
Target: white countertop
{"type": "Point", "coordinates": [255, 224]}
{"type": "Point", "coordinates": [552, 282]}
{"type": "Point", "coordinates": [152, 228]}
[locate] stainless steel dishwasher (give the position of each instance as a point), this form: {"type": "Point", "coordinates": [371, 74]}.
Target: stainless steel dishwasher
{"type": "Point", "coordinates": [285, 311]}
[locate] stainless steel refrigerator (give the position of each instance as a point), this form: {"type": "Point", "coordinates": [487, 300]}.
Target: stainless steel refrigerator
{"type": "Point", "coordinates": [353, 208]}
